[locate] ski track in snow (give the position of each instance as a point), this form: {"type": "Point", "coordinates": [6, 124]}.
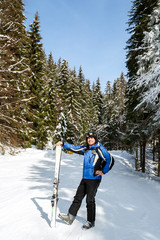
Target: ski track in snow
{"type": "Point", "coordinates": [128, 202]}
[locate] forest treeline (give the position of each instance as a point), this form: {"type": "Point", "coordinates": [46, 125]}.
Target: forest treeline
{"type": "Point", "coordinates": [43, 101]}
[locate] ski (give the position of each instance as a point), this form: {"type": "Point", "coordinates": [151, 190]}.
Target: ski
{"type": "Point", "coordinates": [54, 198]}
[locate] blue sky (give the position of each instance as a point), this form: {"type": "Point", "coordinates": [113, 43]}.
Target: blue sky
{"type": "Point", "coordinates": [90, 33]}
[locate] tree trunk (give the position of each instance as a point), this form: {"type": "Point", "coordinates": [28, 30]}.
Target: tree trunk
{"type": "Point", "coordinates": [136, 160]}
{"type": "Point", "coordinates": [159, 159]}
{"type": "Point", "coordinates": [143, 156]}
{"type": "Point", "coordinates": [153, 151]}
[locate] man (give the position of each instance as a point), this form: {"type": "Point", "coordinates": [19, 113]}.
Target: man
{"type": "Point", "coordinates": [97, 162]}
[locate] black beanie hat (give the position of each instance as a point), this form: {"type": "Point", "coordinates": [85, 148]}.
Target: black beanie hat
{"type": "Point", "coordinates": [92, 134]}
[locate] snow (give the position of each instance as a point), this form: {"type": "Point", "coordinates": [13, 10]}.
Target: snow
{"type": "Point", "coordinates": [127, 201]}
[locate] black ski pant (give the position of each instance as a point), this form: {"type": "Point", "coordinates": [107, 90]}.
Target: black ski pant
{"type": "Point", "coordinates": [88, 188]}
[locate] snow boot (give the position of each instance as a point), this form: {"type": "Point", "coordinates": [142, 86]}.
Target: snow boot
{"type": "Point", "coordinates": [88, 225]}
{"type": "Point", "coordinates": [67, 218]}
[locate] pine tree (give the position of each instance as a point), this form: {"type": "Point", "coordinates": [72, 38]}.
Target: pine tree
{"type": "Point", "coordinates": [52, 74]}
{"type": "Point", "coordinates": [112, 130]}
{"type": "Point", "coordinates": [37, 85]}
{"type": "Point", "coordinates": [73, 107]}
{"type": "Point", "coordinates": [81, 84]}
{"type": "Point", "coordinates": [137, 119]}
{"type": "Point", "coordinates": [81, 77]}
{"type": "Point", "coordinates": [105, 129]}
{"type": "Point", "coordinates": [60, 133]}
{"type": "Point", "coordinates": [120, 102]}
{"type": "Point", "coordinates": [87, 111]}
{"type": "Point", "coordinates": [98, 100]}
{"type": "Point", "coordinates": [14, 72]}
{"type": "Point", "coordinates": [61, 85]}
{"type": "Point", "coordinates": [89, 115]}
{"type": "Point", "coordinates": [148, 80]}
{"type": "Point", "coordinates": [120, 108]}
{"type": "Point", "coordinates": [91, 109]}
{"type": "Point", "coordinates": [139, 18]}
{"type": "Point", "coordinates": [65, 100]}
{"type": "Point", "coordinates": [148, 74]}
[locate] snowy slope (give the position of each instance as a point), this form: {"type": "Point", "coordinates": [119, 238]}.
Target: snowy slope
{"type": "Point", "coordinates": [128, 204]}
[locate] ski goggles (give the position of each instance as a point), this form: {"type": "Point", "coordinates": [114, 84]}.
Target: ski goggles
{"type": "Point", "coordinates": [91, 134]}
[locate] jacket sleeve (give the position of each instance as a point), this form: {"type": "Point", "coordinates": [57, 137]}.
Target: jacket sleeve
{"type": "Point", "coordinates": [75, 149]}
{"type": "Point", "coordinates": [104, 154]}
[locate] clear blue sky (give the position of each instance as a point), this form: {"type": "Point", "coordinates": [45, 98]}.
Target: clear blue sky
{"type": "Point", "coordinates": [90, 33]}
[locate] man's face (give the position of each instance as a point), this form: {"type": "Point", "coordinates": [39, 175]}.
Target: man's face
{"type": "Point", "coordinates": [91, 140]}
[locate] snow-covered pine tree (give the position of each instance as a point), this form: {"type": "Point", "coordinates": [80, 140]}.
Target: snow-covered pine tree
{"type": "Point", "coordinates": [148, 74]}
{"type": "Point", "coordinates": [93, 111]}
{"type": "Point", "coordinates": [37, 85]}
{"type": "Point", "coordinates": [105, 130]}
{"type": "Point", "coordinates": [98, 100]}
{"type": "Point", "coordinates": [52, 74]}
{"type": "Point", "coordinates": [139, 18]}
{"type": "Point", "coordinates": [64, 82]}
{"type": "Point", "coordinates": [61, 85]}
{"type": "Point", "coordinates": [137, 25]}
{"type": "Point", "coordinates": [14, 70]}
{"type": "Point", "coordinates": [81, 77]}
{"type": "Point", "coordinates": [120, 103]}
{"type": "Point", "coordinates": [112, 130]}
{"type": "Point", "coordinates": [64, 101]}
{"type": "Point", "coordinates": [90, 116]}
{"type": "Point", "coordinates": [45, 125]}
{"type": "Point", "coordinates": [136, 120]}
{"type": "Point", "coordinates": [85, 99]}
{"type": "Point", "coordinates": [81, 84]}
{"type": "Point", "coordinates": [148, 77]}
{"type": "Point", "coordinates": [73, 107]}
{"type": "Point", "coordinates": [60, 133]}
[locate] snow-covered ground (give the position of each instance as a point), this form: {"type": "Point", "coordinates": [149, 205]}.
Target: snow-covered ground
{"type": "Point", "coordinates": [128, 203]}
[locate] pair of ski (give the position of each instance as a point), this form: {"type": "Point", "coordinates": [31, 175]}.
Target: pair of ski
{"type": "Point", "coordinates": [54, 199]}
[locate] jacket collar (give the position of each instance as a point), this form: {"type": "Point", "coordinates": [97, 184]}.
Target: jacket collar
{"type": "Point", "coordinates": [94, 146]}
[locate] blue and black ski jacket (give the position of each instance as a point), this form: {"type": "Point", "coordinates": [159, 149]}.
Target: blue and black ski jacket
{"type": "Point", "coordinates": [96, 157]}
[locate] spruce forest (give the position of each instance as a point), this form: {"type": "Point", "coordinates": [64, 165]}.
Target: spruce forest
{"type": "Point", "coordinates": [43, 101]}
